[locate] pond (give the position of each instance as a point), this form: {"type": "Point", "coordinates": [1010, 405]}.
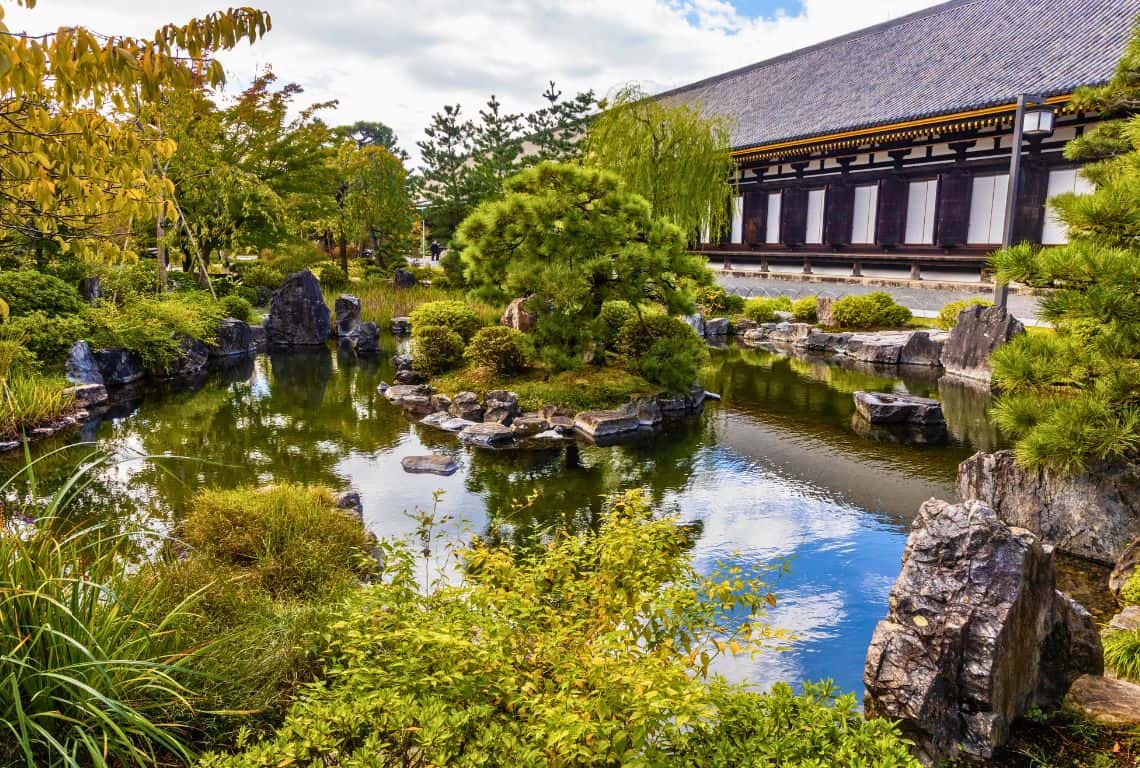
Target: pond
{"type": "Point", "coordinates": [772, 471]}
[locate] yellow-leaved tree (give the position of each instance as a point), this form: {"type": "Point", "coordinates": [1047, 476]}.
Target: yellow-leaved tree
{"type": "Point", "coordinates": [77, 163]}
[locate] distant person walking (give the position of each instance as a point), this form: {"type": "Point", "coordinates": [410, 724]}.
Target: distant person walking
{"type": "Point", "coordinates": [436, 250]}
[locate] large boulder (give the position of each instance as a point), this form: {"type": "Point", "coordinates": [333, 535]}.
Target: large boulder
{"type": "Point", "coordinates": [888, 408]}
{"type": "Point", "coordinates": [877, 348]}
{"type": "Point", "coordinates": [696, 322]}
{"type": "Point", "coordinates": [82, 368]}
{"type": "Point", "coordinates": [975, 634]}
{"type": "Point", "coordinates": [91, 289]}
{"type": "Point", "coordinates": [235, 338]}
{"type": "Point", "coordinates": [1093, 514]}
{"type": "Point", "coordinates": [346, 310]}
{"type": "Point", "coordinates": [466, 405]}
{"type": "Point", "coordinates": [119, 366]}
{"type": "Point", "coordinates": [298, 316]}
{"type": "Point", "coordinates": [716, 327]}
{"type": "Point", "coordinates": [501, 407]}
{"type": "Point", "coordinates": [1106, 700]}
{"type": "Point", "coordinates": [922, 348]}
{"type": "Point", "coordinates": [515, 315]}
{"type": "Point", "coordinates": [365, 340]}
{"type": "Point", "coordinates": [824, 311]}
{"type": "Point", "coordinates": [193, 357]}
{"type": "Point", "coordinates": [599, 424]}
{"type": "Point", "coordinates": [789, 333]}
{"type": "Point", "coordinates": [402, 278]}
{"type": "Point", "coordinates": [980, 331]}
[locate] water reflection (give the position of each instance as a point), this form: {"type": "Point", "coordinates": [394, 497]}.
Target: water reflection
{"type": "Point", "coordinates": [773, 471]}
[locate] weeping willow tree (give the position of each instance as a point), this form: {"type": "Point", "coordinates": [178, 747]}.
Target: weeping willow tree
{"type": "Point", "coordinates": [670, 154]}
{"type": "Point", "coordinates": [1073, 398]}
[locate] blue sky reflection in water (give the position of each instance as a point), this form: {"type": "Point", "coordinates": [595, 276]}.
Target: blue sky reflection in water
{"type": "Point", "coordinates": [774, 471]}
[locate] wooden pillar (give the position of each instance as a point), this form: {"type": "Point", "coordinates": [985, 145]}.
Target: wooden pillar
{"type": "Point", "coordinates": [763, 262]}
{"type": "Point", "coordinates": [857, 268]}
{"type": "Point", "coordinates": [915, 271]}
{"type": "Point", "coordinates": [807, 264]}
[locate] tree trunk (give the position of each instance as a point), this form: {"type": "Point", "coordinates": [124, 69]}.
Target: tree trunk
{"type": "Point", "coordinates": [344, 252]}
{"type": "Point", "coordinates": [160, 238]}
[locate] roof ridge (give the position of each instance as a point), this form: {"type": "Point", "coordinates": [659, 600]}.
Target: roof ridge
{"type": "Point", "coordinates": [933, 10]}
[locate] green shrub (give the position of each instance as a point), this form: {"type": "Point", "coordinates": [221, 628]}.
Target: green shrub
{"type": "Point", "coordinates": [497, 348]}
{"type": "Point", "coordinates": [288, 258]}
{"type": "Point", "coordinates": [1130, 593]}
{"type": "Point", "coordinates": [153, 327]}
{"type": "Point", "coordinates": [291, 539]}
{"type": "Point", "coordinates": [804, 309]}
{"type": "Point", "coordinates": [1122, 653]}
{"type": "Point", "coordinates": [717, 302]}
{"type": "Point", "coordinates": [26, 292]}
{"type": "Point", "coordinates": [263, 276]}
{"type": "Point", "coordinates": [611, 318]}
{"type": "Point", "coordinates": [333, 278]}
{"type": "Point", "coordinates": [948, 315]}
{"type": "Point", "coordinates": [872, 310]}
{"type": "Point", "coordinates": [436, 348]}
{"type": "Point", "coordinates": [48, 338]}
{"type": "Point", "coordinates": [617, 628]}
{"type": "Point", "coordinates": [663, 349]}
{"type": "Point", "coordinates": [88, 679]}
{"type": "Point", "coordinates": [127, 280]}
{"type": "Point", "coordinates": [4, 311]}
{"type": "Point", "coordinates": [454, 315]}
{"type": "Point", "coordinates": [764, 310]}
{"type": "Point", "coordinates": [237, 307]}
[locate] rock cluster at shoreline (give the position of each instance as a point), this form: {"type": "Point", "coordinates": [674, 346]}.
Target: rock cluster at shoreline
{"type": "Point", "coordinates": [497, 421]}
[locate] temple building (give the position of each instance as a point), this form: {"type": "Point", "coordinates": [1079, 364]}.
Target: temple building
{"type": "Point", "coordinates": [892, 145]}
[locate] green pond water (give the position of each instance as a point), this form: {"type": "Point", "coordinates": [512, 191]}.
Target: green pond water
{"type": "Point", "coordinates": [773, 471]}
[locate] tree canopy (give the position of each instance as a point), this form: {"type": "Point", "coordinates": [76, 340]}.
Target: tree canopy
{"type": "Point", "coordinates": [671, 154]}
{"type": "Point", "coordinates": [572, 238]}
{"type": "Point", "coordinates": [1073, 398]}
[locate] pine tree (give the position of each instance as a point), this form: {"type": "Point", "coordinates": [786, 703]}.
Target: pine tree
{"type": "Point", "coordinates": [445, 182]}
{"type": "Point", "coordinates": [1073, 398]}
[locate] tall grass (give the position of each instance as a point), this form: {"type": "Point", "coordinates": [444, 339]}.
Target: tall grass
{"type": "Point", "coordinates": [84, 680]}
{"type": "Point", "coordinates": [381, 301]}
{"type": "Point", "coordinates": [27, 398]}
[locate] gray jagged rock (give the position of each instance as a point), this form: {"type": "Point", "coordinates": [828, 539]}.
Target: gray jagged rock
{"type": "Point", "coordinates": [716, 327]}
{"type": "Point", "coordinates": [402, 278]}
{"type": "Point", "coordinates": [599, 424]}
{"type": "Point", "coordinates": [466, 405]}
{"type": "Point", "coordinates": [119, 366]}
{"type": "Point", "coordinates": [500, 406]}
{"type": "Point", "coordinates": [980, 331]}
{"type": "Point", "coordinates": [82, 368]}
{"type": "Point", "coordinates": [349, 502]}
{"type": "Point", "coordinates": [922, 348]}
{"type": "Point", "coordinates": [1094, 514]}
{"type": "Point", "coordinates": [234, 339]}
{"type": "Point", "coordinates": [346, 310]}
{"type": "Point", "coordinates": [298, 316]}
{"type": "Point", "coordinates": [975, 634]}
{"type": "Point", "coordinates": [888, 408]}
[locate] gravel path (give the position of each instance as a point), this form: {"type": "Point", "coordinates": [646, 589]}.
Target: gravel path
{"type": "Point", "coordinates": [924, 302]}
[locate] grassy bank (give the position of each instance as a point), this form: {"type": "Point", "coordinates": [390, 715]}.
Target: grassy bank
{"type": "Point", "coordinates": [381, 301]}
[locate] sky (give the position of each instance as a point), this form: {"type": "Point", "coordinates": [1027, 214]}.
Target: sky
{"type": "Point", "coordinates": [398, 62]}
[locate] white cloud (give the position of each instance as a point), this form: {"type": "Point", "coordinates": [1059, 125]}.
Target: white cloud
{"type": "Point", "coordinates": [398, 62]}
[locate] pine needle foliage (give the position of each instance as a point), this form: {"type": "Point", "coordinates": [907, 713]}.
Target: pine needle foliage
{"type": "Point", "coordinates": [1072, 398]}
{"type": "Point", "coordinates": [672, 154]}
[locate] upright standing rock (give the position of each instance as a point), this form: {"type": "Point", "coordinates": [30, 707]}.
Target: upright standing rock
{"type": "Point", "coordinates": [347, 312]}
{"type": "Point", "coordinates": [82, 368]}
{"type": "Point", "coordinates": [975, 634]}
{"type": "Point", "coordinates": [515, 316]}
{"type": "Point", "coordinates": [298, 316]}
{"type": "Point", "coordinates": [402, 278]}
{"type": "Point", "coordinates": [824, 312]}
{"type": "Point", "coordinates": [980, 331]}
{"type": "Point", "coordinates": [91, 289]}
{"type": "Point", "coordinates": [234, 339]}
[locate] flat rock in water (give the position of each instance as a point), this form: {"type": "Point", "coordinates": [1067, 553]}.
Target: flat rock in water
{"type": "Point", "coordinates": [529, 425]}
{"type": "Point", "coordinates": [435, 419]}
{"type": "Point", "coordinates": [400, 391]}
{"type": "Point", "coordinates": [88, 394]}
{"type": "Point", "coordinates": [433, 464]}
{"type": "Point", "coordinates": [886, 408]}
{"type": "Point", "coordinates": [881, 349]}
{"type": "Point", "coordinates": [605, 423]}
{"type": "Point", "coordinates": [1106, 700]}
{"type": "Point", "coordinates": [716, 326]}
{"type": "Point", "coordinates": [455, 424]}
{"type": "Point", "coordinates": [487, 435]}
{"type": "Point", "coordinates": [790, 333]}
{"type": "Point", "coordinates": [9, 445]}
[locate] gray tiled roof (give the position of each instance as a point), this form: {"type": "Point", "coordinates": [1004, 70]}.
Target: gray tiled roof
{"type": "Point", "coordinates": [955, 56]}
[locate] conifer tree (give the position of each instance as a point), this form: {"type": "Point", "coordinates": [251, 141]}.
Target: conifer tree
{"type": "Point", "coordinates": [1072, 399]}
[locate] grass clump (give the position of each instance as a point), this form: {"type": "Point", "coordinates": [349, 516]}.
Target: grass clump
{"type": "Point", "coordinates": [497, 348]}
{"type": "Point", "coordinates": [764, 310]}
{"type": "Point", "coordinates": [1122, 653]}
{"type": "Point", "coordinates": [867, 311]}
{"type": "Point", "coordinates": [380, 301]}
{"type": "Point", "coordinates": [1130, 593]}
{"type": "Point", "coordinates": [155, 327]}
{"type": "Point", "coordinates": [27, 397]}
{"type": "Point", "coordinates": [948, 315]}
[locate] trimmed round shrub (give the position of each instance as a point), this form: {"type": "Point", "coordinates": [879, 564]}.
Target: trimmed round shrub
{"type": "Point", "coordinates": [948, 315]}
{"type": "Point", "coordinates": [613, 316]}
{"type": "Point", "coordinates": [663, 349]}
{"type": "Point", "coordinates": [717, 302]}
{"type": "Point", "coordinates": [26, 291]}
{"type": "Point", "coordinates": [48, 338]}
{"type": "Point", "coordinates": [333, 277]}
{"type": "Point", "coordinates": [873, 310]}
{"type": "Point", "coordinates": [804, 309]}
{"type": "Point", "coordinates": [236, 307]}
{"type": "Point", "coordinates": [764, 310]}
{"type": "Point", "coordinates": [436, 348]}
{"type": "Point", "coordinates": [453, 315]}
{"type": "Point", "coordinates": [498, 348]}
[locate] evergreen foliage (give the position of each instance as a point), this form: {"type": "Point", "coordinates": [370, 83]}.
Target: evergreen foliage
{"type": "Point", "coordinates": [573, 238]}
{"type": "Point", "coordinates": [671, 154]}
{"type": "Point", "coordinates": [763, 310]}
{"type": "Point", "coordinates": [803, 309]}
{"type": "Point", "coordinates": [436, 348]}
{"type": "Point", "coordinates": [449, 313]}
{"type": "Point", "coordinates": [1072, 398]}
{"type": "Point", "coordinates": [663, 349]}
{"type": "Point", "coordinates": [871, 310]}
{"type": "Point", "coordinates": [498, 349]}
{"type": "Point", "coordinates": [26, 291]}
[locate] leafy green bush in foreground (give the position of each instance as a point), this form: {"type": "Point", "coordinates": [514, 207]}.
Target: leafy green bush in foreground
{"type": "Point", "coordinates": [764, 310]}
{"type": "Point", "coordinates": [594, 651]}
{"type": "Point", "coordinates": [26, 291]}
{"type": "Point", "coordinates": [872, 310]}
{"type": "Point", "coordinates": [453, 315]}
{"type": "Point", "coordinates": [663, 349]}
{"type": "Point", "coordinates": [497, 348]}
